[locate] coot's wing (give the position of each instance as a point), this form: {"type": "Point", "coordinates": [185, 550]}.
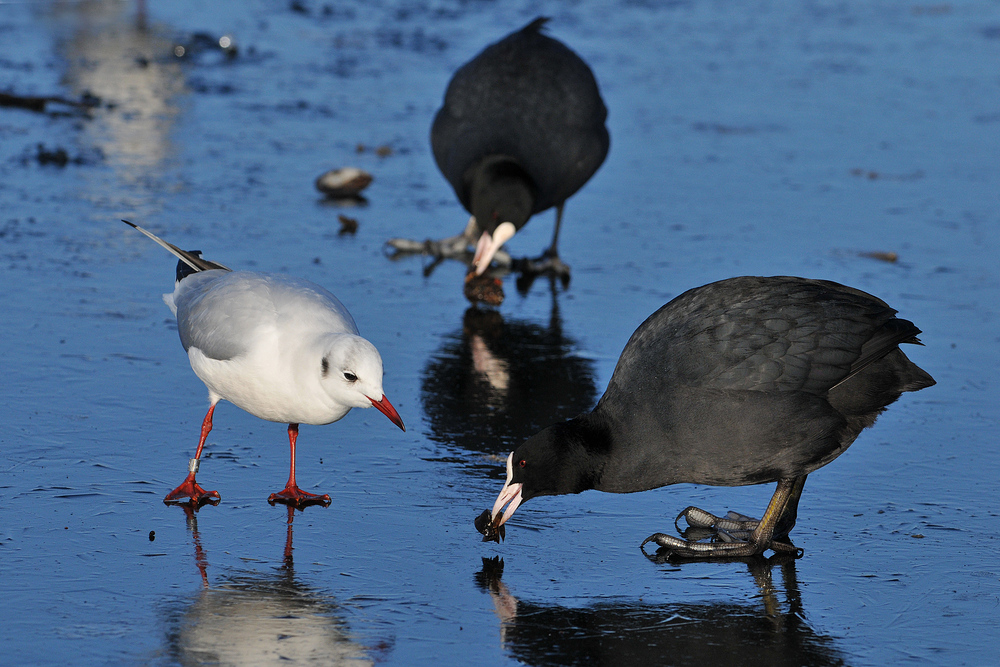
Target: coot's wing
{"type": "Point", "coordinates": [885, 339]}
{"type": "Point", "coordinates": [762, 334]}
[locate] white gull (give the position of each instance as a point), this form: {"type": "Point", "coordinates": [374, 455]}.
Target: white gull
{"type": "Point", "coordinates": [283, 349]}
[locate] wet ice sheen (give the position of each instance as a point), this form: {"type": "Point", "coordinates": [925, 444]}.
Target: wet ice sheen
{"type": "Point", "coordinates": [746, 140]}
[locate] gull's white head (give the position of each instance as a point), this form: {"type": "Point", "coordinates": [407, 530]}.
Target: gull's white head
{"type": "Point", "coordinates": [351, 373]}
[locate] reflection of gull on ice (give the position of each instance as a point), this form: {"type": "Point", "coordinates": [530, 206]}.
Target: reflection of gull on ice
{"type": "Point", "coordinates": [260, 621]}
{"type": "Point", "coordinates": [132, 69]}
{"type": "Point", "coordinates": [257, 618]}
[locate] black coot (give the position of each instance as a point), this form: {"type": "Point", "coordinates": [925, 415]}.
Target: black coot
{"type": "Point", "coordinates": [744, 381]}
{"type": "Point", "coordinates": [521, 130]}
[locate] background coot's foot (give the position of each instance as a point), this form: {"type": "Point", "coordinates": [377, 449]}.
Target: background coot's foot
{"type": "Point", "coordinates": [547, 264]}
{"type": "Point", "coordinates": [453, 247]}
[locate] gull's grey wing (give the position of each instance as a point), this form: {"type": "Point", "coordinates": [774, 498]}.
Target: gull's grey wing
{"type": "Point", "coordinates": [219, 312]}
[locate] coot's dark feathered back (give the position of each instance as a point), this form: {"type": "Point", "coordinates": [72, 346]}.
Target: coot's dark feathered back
{"type": "Point", "coordinates": [762, 334]}
{"type": "Point", "coordinates": [531, 98]}
{"type": "Point", "coordinates": [750, 380]}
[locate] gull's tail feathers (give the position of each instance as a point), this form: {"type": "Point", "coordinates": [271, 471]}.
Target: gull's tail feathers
{"type": "Point", "coordinates": [192, 259]}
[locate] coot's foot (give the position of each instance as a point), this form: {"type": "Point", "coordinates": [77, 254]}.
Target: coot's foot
{"type": "Point", "coordinates": [296, 497]}
{"type": "Point", "coordinates": [734, 527]}
{"type": "Point", "coordinates": [703, 550]}
{"type": "Point", "coordinates": [725, 534]}
{"type": "Point", "coordinates": [547, 264]}
{"type": "Point", "coordinates": [189, 493]}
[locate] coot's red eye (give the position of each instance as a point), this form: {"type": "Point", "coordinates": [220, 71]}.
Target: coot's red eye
{"type": "Point", "coordinates": [522, 463]}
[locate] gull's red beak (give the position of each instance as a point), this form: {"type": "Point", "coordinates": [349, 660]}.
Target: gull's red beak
{"type": "Point", "coordinates": [385, 407]}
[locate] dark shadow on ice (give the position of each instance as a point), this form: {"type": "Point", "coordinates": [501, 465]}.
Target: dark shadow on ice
{"type": "Point", "coordinates": [766, 633]}
{"type": "Point", "coordinates": [497, 381]}
{"type": "Point", "coordinates": [260, 618]}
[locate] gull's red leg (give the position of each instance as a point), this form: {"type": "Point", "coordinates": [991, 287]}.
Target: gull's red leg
{"type": "Point", "coordinates": [189, 493]}
{"type": "Point", "coordinates": [292, 494]}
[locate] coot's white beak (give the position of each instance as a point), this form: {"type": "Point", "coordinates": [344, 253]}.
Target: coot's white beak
{"type": "Point", "coordinates": [511, 493]}
{"type": "Point", "coordinates": [488, 245]}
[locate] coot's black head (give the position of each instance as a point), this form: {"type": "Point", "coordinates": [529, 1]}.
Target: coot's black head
{"type": "Point", "coordinates": [500, 191]}
{"type": "Point", "coordinates": [501, 198]}
{"type": "Point", "coordinates": [552, 462]}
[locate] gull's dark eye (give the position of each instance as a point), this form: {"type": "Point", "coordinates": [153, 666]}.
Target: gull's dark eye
{"type": "Point", "coordinates": [522, 463]}
{"type": "Point", "coordinates": [350, 377]}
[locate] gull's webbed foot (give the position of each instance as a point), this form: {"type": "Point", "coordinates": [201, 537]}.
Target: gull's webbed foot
{"type": "Point", "coordinates": [296, 497]}
{"type": "Point", "coordinates": [191, 494]}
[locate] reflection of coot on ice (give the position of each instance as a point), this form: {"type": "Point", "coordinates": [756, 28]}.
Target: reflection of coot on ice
{"type": "Point", "coordinates": [497, 381]}
{"type": "Point", "coordinates": [641, 633]}
{"type": "Point", "coordinates": [261, 618]}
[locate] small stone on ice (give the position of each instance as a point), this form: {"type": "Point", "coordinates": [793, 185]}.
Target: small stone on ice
{"type": "Point", "coordinates": [343, 182]}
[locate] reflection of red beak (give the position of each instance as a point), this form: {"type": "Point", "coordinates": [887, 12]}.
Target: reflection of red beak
{"type": "Point", "coordinates": [385, 407]}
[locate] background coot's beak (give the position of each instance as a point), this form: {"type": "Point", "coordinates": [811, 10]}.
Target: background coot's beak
{"type": "Point", "coordinates": [385, 407]}
{"type": "Point", "coordinates": [489, 244]}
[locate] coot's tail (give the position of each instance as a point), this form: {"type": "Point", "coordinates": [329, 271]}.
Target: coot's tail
{"type": "Point", "coordinates": [881, 373]}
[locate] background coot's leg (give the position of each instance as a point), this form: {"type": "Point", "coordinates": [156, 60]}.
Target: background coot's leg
{"type": "Point", "coordinates": [554, 248]}
{"type": "Point", "coordinates": [761, 538]}
{"type": "Point", "coordinates": [549, 262]}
